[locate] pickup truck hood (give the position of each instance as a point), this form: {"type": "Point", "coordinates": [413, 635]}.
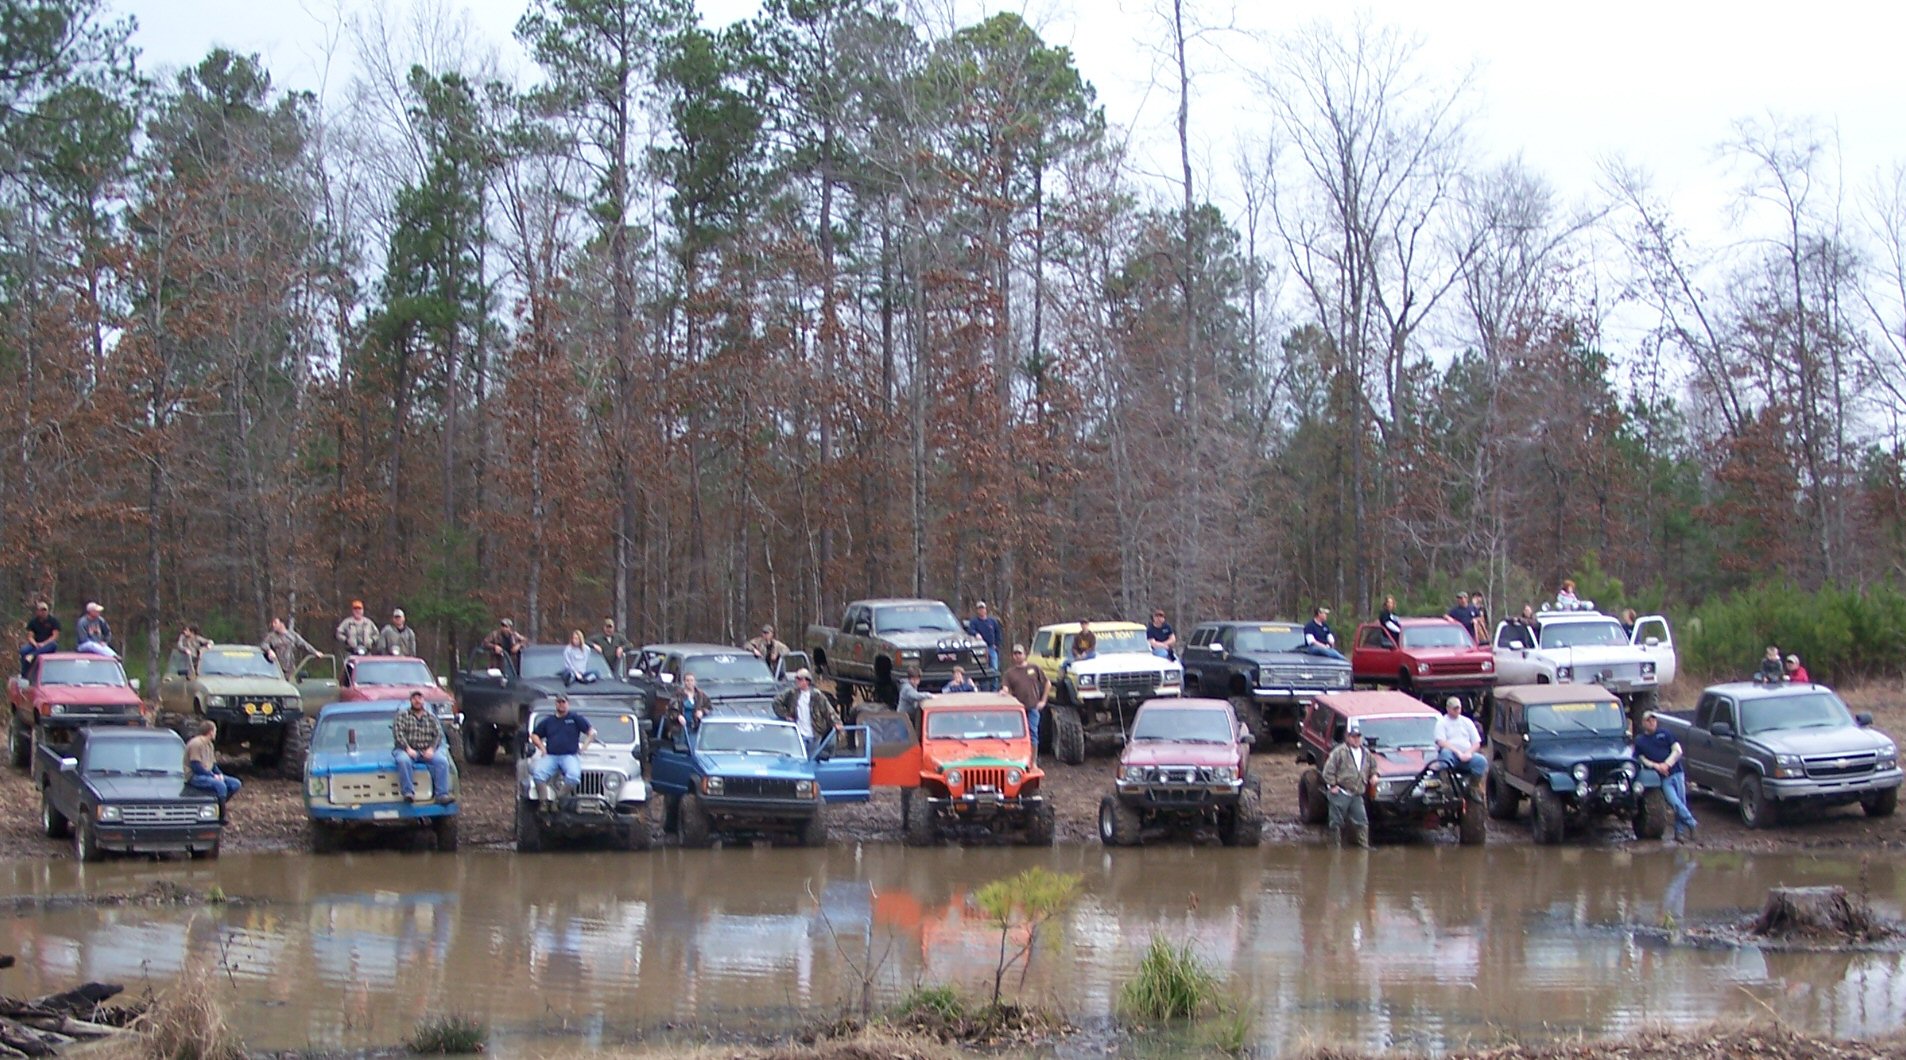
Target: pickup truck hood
{"type": "Point", "coordinates": [730, 691]}
{"type": "Point", "coordinates": [1564, 752]}
{"type": "Point", "coordinates": [947, 754]}
{"type": "Point", "coordinates": [1588, 658]}
{"type": "Point", "coordinates": [1847, 739]}
{"type": "Point", "coordinates": [1169, 753]}
{"type": "Point", "coordinates": [247, 686]}
{"type": "Point", "coordinates": [1317, 663]}
{"type": "Point", "coordinates": [601, 687]}
{"type": "Point", "coordinates": [371, 757]}
{"type": "Point", "coordinates": [89, 695]}
{"type": "Point", "coordinates": [932, 641]}
{"type": "Point", "coordinates": [367, 693]}
{"type": "Point", "coordinates": [1126, 662]}
{"type": "Point", "coordinates": [1475, 655]}
{"type": "Point", "coordinates": [144, 789]}
{"type": "Point", "coordinates": [1403, 761]}
{"type": "Point", "coordinates": [732, 765]}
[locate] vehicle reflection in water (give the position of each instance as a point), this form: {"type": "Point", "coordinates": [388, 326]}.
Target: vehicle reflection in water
{"type": "Point", "coordinates": [1421, 948]}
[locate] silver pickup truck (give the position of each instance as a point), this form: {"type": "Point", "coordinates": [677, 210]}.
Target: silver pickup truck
{"type": "Point", "coordinates": [1773, 746]}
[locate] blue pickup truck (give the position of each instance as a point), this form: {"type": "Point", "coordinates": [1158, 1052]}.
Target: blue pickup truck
{"type": "Point", "coordinates": [755, 776]}
{"type": "Point", "coordinates": [350, 780]}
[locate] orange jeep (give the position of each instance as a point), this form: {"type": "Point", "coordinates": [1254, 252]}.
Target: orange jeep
{"type": "Point", "coordinates": [972, 771]}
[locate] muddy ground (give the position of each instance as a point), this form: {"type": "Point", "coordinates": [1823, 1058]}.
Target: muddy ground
{"type": "Point", "coordinates": [269, 816]}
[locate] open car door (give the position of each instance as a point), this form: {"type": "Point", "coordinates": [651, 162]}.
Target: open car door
{"type": "Point", "coordinates": [317, 681]}
{"type": "Point", "coordinates": [893, 745]}
{"type": "Point", "coordinates": [843, 765]}
{"type": "Point", "coordinates": [1653, 636]}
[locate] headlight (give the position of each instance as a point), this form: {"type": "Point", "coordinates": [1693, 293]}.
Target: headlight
{"type": "Point", "coordinates": [1013, 777]}
{"type": "Point", "coordinates": [107, 813]}
{"type": "Point", "coordinates": [953, 778]}
{"type": "Point", "coordinates": [208, 813]}
{"type": "Point", "coordinates": [1222, 774]}
{"type": "Point", "coordinates": [1789, 766]}
{"type": "Point", "coordinates": [1888, 756]}
{"type": "Point", "coordinates": [214, 701]}
{"type": "Point", "coordinates": [1168, 678]}
{"type": "Point", "coordinates": [57, 708]}
{"type": "Point", "coordinates": [611, 784]}
{"type": "Point", "coordinates": [1422, 668]}
{"type": "Point", "coordinates": [711, 785]}
{"type": "Point", "coordinates": [1488, 665]}
{"type": "Point", "coordinates": [1343, 679]}
{"type": "Point", "coordinates": [1088, 680]}
{"type": "Point", "coordinates": [803, 789]}
{"type": "Point", "coordinates": [1647, 669]}
{"type": "Point", "coordinates": [314, 787]}
{"type": "Point", "coordinates": [1628, 770]}
{"type": "Point", "coordinates": [909, 656]}
{"type": "Point", "coordinates": [1132, 773]}
{"type": "Point", "coordinates": [1564, 673]}
{"type": "Point", "coordinates": [1580, 772]}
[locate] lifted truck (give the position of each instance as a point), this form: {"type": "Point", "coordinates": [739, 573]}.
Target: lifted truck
{"type": "Point", "coordinates": [973, 773]}
{"type": "Point", "coordinates": [1186, 768]}
{"type": "Point", "coordinates": [1435, 658]}
{"type": "Point", "coordinates": [1260, 668]}
{"type": "Point", "coordinates": [869, 652]}
{"type": "Point", "coordinates": [1567, 748]}
{"type": "Point", "coordinates": [1095, 698]}
{"type": "Point", "coordinates": [1411, 790]}
{"type": "Point", "coordinates": [245, 694]}
{"type": "Point", "coordinates": [351, 786]}
{"type": "Point", "coordinates": [1585, 647]}
{"type": "Point", "coordinates": [494, 687]}
{"type": "Point", "coordinates": [64, 691]}
{"type": "Point", "coordinates": [123, 789]}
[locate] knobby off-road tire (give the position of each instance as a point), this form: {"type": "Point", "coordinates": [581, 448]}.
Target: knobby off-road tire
{"type": "Point", "coordinates": [1881, 803]}
{"type": "Point", "coordinates": [1312, 807]}
{"type": "Point", "coordinates": [1040, 825]}
{"type": "Point", "coordinates": [1651, 817]}
{"type": "Point", "coordinates": [1547, 817]}
{"type": "Point", "coordinates": [529, 827]}
{"type": "Point", "coordinates": [814, 830]}
{"type": "Point", "coordinates": [324, 837]}
{"type": "Point", "coordinates": [52, 822]}
{"type": "Point", "coordinates": [1473, 830]}
{"type": "Point", "coordinates": [479, 743]}
{"type": "Point", "coordinates": [296, 741]}
{"type": "Point", "coordinates": [1068, 735]}
{"type": "Point", "coordinates": [691, 820]}
{"type": "Point", "coordinates": [1504, 801]}
{"type": "Point", "coordinates": [445, 828]}
{"type": "Point", "coordinates": [85, 840]}
{"type": "Point", "coordinates": [634, 835]}
{"type": "Point", "coordinates": [1244, 825]}
{"type": "Point", "coordinates": [1118, 823]}
{"type": "Point", "coordinates": [917, 818]}
{"type": "Point", "coordinates": [1252, 719]}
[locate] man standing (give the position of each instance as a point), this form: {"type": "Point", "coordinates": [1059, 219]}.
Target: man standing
{"type": "Point", "coordinates": [1661, 752]}
{"type": "Point", "coordinates": [1347, 775]}
{"type": "Point", "coordinates": [416, 734]}
{"type": "Point", "coordinates": [1318, 639]}
{"type": "Point", "coordinates": [911, 697]}
{"type": "Point", "coordinates": [94, 634]}
{"type": "Point", "coordinates": [1458, 743]}
{"type": "Point", "coordinates": [987, 628]}
{"type": "Point", "coordinates": [397, 638]}
{"type": "Point", "coordinates": [809, 708]}
{"type": "Point", "coordinates": [357, 634]}
{"type": "Point", "coordinates": [286, 648]}
{"type": "Point", "coordinates": [613, 647]}
{"type": "Point", "coordinates": [559, 740]}
{"type": "Point", "coordinates": [1027, 683]}
{"type": "Point", "coordinates": [1461, 614]}
{"type": "Point", "coordinates": [191, 642]}
{"type": "Point", "coordinates": [504, 640]}
{"type": "Point", "coordinates": [201, 761]}
{"type": "Point", "coordinates": [765, 647]}
{"type": "Point", "coordinates": [42, 634]}
{"type": "Point", "coordinates": [1160, 637]}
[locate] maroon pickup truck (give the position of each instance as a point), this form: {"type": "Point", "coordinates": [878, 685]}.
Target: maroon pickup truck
{"type": "Point", "coordinates": [1435, 657]}
{"type": "Point", "coordinates": [65, 690]}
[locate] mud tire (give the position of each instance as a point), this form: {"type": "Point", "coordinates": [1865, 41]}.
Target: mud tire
{"type": "Point", "coordinates": [917, 819]}
{"type": "Point", "coordinates": [1651, 816]}
{"type": "Point", "coordinates": [1757, 810]}
{"type": "Point", "coordinates": [291, 751]}
{"type": "Point", "coordinates": [529, 827]}
{"type": "Point", "coordinates": [1547, 818]}
{"type": "Point", "coordinates": [324, 837]}
{"type": "Point", "coordinates": [479, 743]}
{"type": "Point", "coordinates": [1881, 803]}
{"type": "Point", "coordinates": [1244, 825]}
{"type": "Point", "coordinates": [1040, 825]}
{"type": "Point", "coordinates": [1118, 823]}
{"type": "Point", "coordinates": [1473, 829]}
{"type": "Point", "coordinates": [814, 829]}
{"type": "Point", "coordinates": [1504, 801]}
{"type": "Point", "coordinates": [1252, 719]}
{"type": "Point", "coordinates": [1312, 807]}
{"type": "Point", "coordinates": [1068, 735]}
{"type": "Point", "coordinates": [19, 741]}
{"type": "Point", "coordinates": [53, 823]}
{"type": "Point", "coordinates": [634, 835]}
{"type": "Point", "coordinates": [691, 820]}
{"type": "Point", "coordinates": [85, 840]}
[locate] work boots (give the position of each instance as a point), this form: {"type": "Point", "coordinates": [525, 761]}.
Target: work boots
{"type": "Point", "coordinates": [1361, 832]}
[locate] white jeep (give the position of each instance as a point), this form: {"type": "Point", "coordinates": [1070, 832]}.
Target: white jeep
{"type": "Point", "coordinates": [1583, 646]}
{"type": "Point", "coordinates": [612, 800]}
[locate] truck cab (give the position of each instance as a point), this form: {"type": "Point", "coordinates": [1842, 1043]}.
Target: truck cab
{"type": "Point", "coordinates": [67, 691]}
{"type": "Point", "coordinates": [1431, 659]}
{"type": "Point", "coordinates": [735, 681]}
{"type": "Point", "coordinates": [869, 652]}
{"type": "Point", "coordinates": [1261, 668]}
{"type": "Point", "coordinates": [493, 686]}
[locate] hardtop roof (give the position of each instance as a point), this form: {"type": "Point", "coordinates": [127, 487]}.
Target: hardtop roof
{"type": "Point", "coordinates": [1108, 625]}
{"type": "Point", "coordinates": [1535, 695]}
{"type": "Point", "coordinates": [1764, 690]}
{"type": "Point", "coordinates": [693, 648]}
{"type": "Point", "coordinates": [1368, 704]}
{"type": "Point", "coordinates": [972, 701]}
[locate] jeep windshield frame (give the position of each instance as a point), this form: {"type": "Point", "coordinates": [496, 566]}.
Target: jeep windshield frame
{"type": "Point", "coordinates": [924, 617]}
{"type": "Point", "coordinates": [1599, 717]}
{"type": "Point", "coordinates": [979, 723]}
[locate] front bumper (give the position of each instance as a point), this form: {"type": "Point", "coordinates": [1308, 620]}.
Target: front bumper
{"type": "Point", "coordinates": [393, 815]}
{"type": "Point", "coordinates": [234, 720]}
{"type": "Point", "coordinates": [1847, 788]}
{"type": "Point", "coordinates": [1178, 798]}
{"type": "Point", "coordinates": [1454, 682]}
{"type": "Point", "coordinates": [151, 839]}
{"type": "Point", "coordinates": [749, 808]}
{"type": "Point", "coordinates": [1291, 697]}
{"type": "Point", "coordinates": [984, 805]}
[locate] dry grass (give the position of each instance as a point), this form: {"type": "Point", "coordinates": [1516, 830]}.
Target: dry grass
{"type": "Point", "coordinates": [186, 1023]}
{"type": "Point", "coordinates": [1724, 1041]}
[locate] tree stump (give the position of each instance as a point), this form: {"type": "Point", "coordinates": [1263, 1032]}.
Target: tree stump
{"type": "Point", "coordinates": [1822, 914]}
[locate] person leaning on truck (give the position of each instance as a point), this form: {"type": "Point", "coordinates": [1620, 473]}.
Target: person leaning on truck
{"type": "Point", "coordinates": [416, 734]}
{"type": "Point", "coordinates": [357, 633]}
{"type": "Point", "coordinates": [1027, 683]}
{"type": "Point", "coordinates": [201, 762]}
{"type": "Point", "coordinates": [613, 647]}
{"type": "Point", "coordinates": [765, 647]}
{"type": "Point", "coordinates": [42, 634]}
{"type": "Point", "coordinates": [1661, 752]}
{"type": "Point", "coordinates": [1457, 741]}
{"type": "Point", "coordinates": [1347, 775]}
{"type": "Point", "coordinates": [809, 708]}
{"type": "Point", "coordinates": [282, 646]}
{"type": "Point", "coordinates": [911, 697]}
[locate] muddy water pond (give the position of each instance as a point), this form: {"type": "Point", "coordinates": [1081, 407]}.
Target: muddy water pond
{"type": "Point", "coordinates": [1421, 948]}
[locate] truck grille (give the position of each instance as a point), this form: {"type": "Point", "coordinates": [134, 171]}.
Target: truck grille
{"type": "Point", "coordinates": [1618, 673]}
{"type": "Point", "coordinates": [1292, 675]}
{"type": "Point", "coordinates": [595, 782]}
{"type": "Point", "coordinates": [989, 777]}
{"type": "Point", "coordinates": [153, 813]}
{"type": "Point", "coordinates": [1835, 767]}
{"type": "Point", "coordinates": [759, 787]}
{"type": "Point", "coordinates": [356, 789]}
{"type": "Point", "coordinates": [1456, 668]}
{"type": "Point", "coordinates": [1143, 683]}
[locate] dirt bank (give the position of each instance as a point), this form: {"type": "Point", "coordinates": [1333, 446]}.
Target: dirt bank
{"type": "Point", "coordinates": [269, 816]}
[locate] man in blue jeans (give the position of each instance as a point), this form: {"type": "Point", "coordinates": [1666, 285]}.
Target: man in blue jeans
{"type": "Point", "coordinates": [987, 628]}
{"type": "Point", "coordinates": [1661, 752]}
{"type": "Point", "coordinates": [420, 744]}
{"type": "Point", "coordinates": [559, 739]}
{"type": "Point", "coordinates": [1318, 639]}
{"type": "Point", "coordinates": [1457, 741]}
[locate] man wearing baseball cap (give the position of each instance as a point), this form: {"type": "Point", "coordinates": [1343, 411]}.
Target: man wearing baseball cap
{"type": "Point", "coordinates": [1347, 775]}
{"type": "Point", "coordinates": [397, 638]}
{"type": "Point", "coordinates": [559, 739]}
{"type": "Point", "coordinates": [357, 633]}
{"type": "Point", "coordinates": [95, 635]}
{"type": "Point", "coordinates": [504, 638]}
{"type": "Point", "coordinates": [809, 708]}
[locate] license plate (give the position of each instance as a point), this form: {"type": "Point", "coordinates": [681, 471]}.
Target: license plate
{"type": "Point", "coordinates": [383, 815]}
{"type": "Point", "coordinates": [949, 656]}
{"type": "Point", "coordinates": [258, 719]}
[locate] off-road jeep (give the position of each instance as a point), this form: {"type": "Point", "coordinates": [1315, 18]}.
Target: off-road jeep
{"type": "Point", "coordinates": [612, 800]}
{"type": "Point", "coordinates": [976, 773]}
{"type": "Point", "coordinates": [1095, 698]}
{"type": "Point", "coordinates": [1411, 789]}
{"type": "Point", "coordinates": [1186, 767]}
{"type": "Point", "coordinates": [1567, 748]}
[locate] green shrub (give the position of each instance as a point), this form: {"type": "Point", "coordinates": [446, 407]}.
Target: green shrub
{"type": "Point", "coordinates": [936, 1004]}
{"type": "Point", "coordinates": [453, 1034]}
{"type": "Point", "coordinates": [1173, 982]}
{"type": "Point", "coordinates": [1842, 635]}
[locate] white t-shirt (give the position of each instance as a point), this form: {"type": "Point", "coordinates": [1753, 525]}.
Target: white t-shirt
{"type": "Point", "coordinates": [803, 714]}
{"type": "Point", "coordinates": [1458, 733]}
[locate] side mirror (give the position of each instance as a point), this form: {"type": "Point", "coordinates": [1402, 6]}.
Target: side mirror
{"type": "Point", "coordinates": [443, 681]}
{"type": "Point", "coordinates": [135, 684]}
{"type": "Point", "coordinates": [862, 628]}
{"type": "Point", "coordinates": [1863, 720]}
{"type": "Point", "coordinates": [667, 679]}
{"type": "Point", "coordinates": [493, 672]}
{"type": "Point", "coordinates": [1721, 728]}
{"type": "Point", "coordinates": [69, 765]}
{"type": "Point", "coordinates": [1245, 738]}
{"type": "Point", "coordinates": [1653, 642]}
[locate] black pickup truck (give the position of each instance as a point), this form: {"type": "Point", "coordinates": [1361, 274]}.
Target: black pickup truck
{"type": "Point", "coordinates": [735, 681]}
{"type": "Point", "coordinates": [494, 687]}
{"type": "Point", "coordinates": [123, 789]}
{"type": "Point", "coordinates": [1261, 668]}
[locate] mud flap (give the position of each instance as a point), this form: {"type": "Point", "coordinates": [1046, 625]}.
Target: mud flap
{"type": "Point", "coordinates": [894, 746]}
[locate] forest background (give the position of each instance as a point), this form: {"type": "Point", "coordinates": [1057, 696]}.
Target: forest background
{"type": "Point", "coordinates": [701, 326]}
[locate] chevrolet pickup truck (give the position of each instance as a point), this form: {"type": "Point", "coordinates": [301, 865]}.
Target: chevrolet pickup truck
{"type": "Point", "coordinates": [1772, 747]}
{"type": "Point", "coordinates": [67, 690]}
{"type": "Point", "coordinates": [1590, 648]}
{"type": "Point", "coordinates": [1435, 657]}
{"type": "Point", "coordinates": [1258, 667]}
{"type": "Point", "coordinates": [123, 789]}
{"type": "Point", "coordinates": [869, 652]}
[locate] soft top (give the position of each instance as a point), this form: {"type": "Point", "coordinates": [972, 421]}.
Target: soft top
{"type": "Point", "coordinates": [1535, 695]}
{"type": "Point", "coordinates": [1370, 704]}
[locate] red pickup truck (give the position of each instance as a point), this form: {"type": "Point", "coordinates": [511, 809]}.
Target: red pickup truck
{"type": "Point", "coordinates": [65, 690]}
{"type": "Point", "coordinates": [1435, 657]}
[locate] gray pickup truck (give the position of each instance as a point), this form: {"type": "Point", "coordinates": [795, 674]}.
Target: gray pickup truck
{"type": "Point", "coordinates": [1774, 746]}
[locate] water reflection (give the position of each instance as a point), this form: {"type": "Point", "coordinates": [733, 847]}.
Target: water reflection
{"type": "Point", "coordinates": [1419, 948]}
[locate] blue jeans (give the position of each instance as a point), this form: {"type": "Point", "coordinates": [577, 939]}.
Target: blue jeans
{"type": "Point", "coordinates": [437, 766]}
{"type": "Point", "coordinates": [1319, 649]}
{"type": "Point", "coordinates": [1477, 766]}
{"type": "Point", "coordinates": [221, 786]}
{"type": "Point", "coordinates": [1032, 728]}
{"type": "Point", "coordinates": [1675, 787]}
{"type": "Point", "coordinates": [28, 651]}
{"type": "Point", "coordinates": [546, 766]}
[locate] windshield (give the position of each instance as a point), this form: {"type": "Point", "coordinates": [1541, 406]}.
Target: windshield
{"type": "Point", "coordinates": [236, 662]}
{"type": "Point", "coordinates": [391, 672]}
{"type": "Point", "coordinates": [373, 734]}
{"type": "Point", "coordinates": [150, 757]}
{"type": "Point", "coordinates": [610, 726]}
{"type": "Point", "coordinates": [1439, 636]}
{"type": "Point", "coordinates": [1814, 710]}
{"type": "Point", "coordinates": [1604, 718]}
{"type": "Point", "coordinates": [749, 737]}
{"type": "Point", "coordinates": [81, 672]}
{"type": "Point", "coordinates": [1582, 634]}
{"type": "Point", "coordinates": [547, 661]}
{"type": "Point", "coordinates": [976, 725]}
{"type": "Point", "coordinates": [916, 618]}
{"type": "Point", "coordinates": [1115, 641]}
{"type": "Point", "coordinates": [1396, 733]}
{"type": "Point", "coordinates": [1269, 638]}
{"type": "Point", "coordinates": [1177, 723]}
{"type": "Point", "coordinates": [728, 669]}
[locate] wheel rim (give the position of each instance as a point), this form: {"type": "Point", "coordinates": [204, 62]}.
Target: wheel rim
{"type": "Point", "coordinates": [1105, 823]}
